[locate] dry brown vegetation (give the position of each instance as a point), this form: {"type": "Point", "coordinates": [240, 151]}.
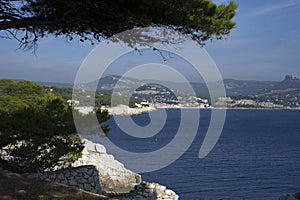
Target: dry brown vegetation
{"type": "Point", "coordinates": [16, 186]}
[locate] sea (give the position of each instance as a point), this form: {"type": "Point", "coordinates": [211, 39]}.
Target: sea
{"type": "Point", "coordinates": [256, 157]}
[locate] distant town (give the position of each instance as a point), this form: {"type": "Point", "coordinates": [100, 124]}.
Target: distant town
{"type": "Point", "coordinates": [249, 103]}
{"type": "Point", "coordinates": [240, 94]}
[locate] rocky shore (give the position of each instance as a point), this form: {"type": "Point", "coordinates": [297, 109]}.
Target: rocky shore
{"type": "Point", "coordinates": [113, 176]}
{"type": "Point", "coordinates": [123, 110]}
{"type": "Point", "coordinates": [150, 191]}
{"type": "Point", "coordinates": [120, 110]}
{"type": "Point", "coordinates": [99, 173]}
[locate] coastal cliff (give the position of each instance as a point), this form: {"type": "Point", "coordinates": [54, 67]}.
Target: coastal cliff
{"type": "Point", "coordinates": [99, 173]}
{"type": "Point", "coordinates": [113, 176]}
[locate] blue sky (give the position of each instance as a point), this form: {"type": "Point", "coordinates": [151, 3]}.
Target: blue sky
{"type": "Point", "coordinates": [265, 45]}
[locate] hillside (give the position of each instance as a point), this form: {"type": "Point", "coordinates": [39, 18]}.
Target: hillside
{"type": "Point", "coordinates": [16, 186]}
{"type": "Point", "coordinates": [289, 85]}
{"type": "Point", "coordinates": [245, 87]}
{"type": "Point", "coordinates": [284, 92]}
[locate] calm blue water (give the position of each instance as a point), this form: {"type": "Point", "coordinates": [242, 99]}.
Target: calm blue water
{"type": "Point", "coordinates": [256, 157]}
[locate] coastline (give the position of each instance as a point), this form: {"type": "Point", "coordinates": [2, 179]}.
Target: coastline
{"type": "Point", "coordinates": [227, 108]}
{"type": "Point", "coordinates": [124, 110]}
{"type": "Point", "coordinates": [100, 173]}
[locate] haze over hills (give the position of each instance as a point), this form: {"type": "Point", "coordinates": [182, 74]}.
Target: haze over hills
{"type": "Point", "coordinates": [233, 87]}
{"type": "Point", "coordinates": [244, 87]}
{"type": "Point", "coordinates": [240, 87]}
{"type": "Point", "coordinates": [289, 86]}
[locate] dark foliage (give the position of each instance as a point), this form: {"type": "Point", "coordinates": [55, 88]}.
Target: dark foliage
{"type": "Point", "coordinates": [37, 130]}
{"type": "Point", "coordinates": [29, 20]}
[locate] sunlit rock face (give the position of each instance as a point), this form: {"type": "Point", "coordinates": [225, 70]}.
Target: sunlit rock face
{"type": "Point", "coordinates": [113, 176]}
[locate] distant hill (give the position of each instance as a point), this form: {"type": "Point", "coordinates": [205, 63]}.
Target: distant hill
{"type": "Point", "coordinates": [287, 83]}
{"type": "Point", "coordinates": [55, 84]}
{"type": "Point", "coordinates": [154, 92]}
{"type": "Point", "coordinates": [290, 85]}
{"type": "Point", "coordinates": [49, 84]}
{"type": "Point", "coordinates": [245, 87]}
{"type": "Point", "coordinates": [113, 82]}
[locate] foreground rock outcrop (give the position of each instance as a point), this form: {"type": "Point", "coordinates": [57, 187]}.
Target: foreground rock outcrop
{"type": "Point", "coordinates": [99, 173]}
{"type": "Point", "coordinates": [151, 191]}
{"type": "Point", "coordinates": [113, 176]}
{"type": "Point", "coordinates": [83, 177]}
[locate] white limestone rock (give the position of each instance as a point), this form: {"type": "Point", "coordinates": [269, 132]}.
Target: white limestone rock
{"type": "Point", "coordinates": [113, 176]}
{"type": "Point", "coordinates": [151, 191]}
{"type": "Point", "coordinates": [124, 110]}
{"type": "Point", "coordinates": [169, 192]}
